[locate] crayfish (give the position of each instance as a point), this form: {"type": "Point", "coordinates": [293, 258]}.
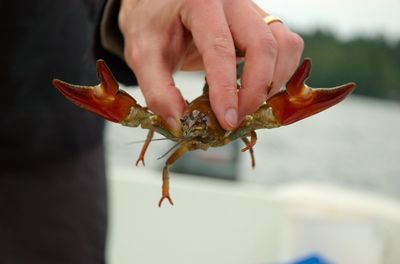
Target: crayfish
{"type": "Point", "coordinates": [199, 126]}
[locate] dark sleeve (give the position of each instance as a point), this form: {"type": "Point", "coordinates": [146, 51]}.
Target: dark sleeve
{"type": "Point", "coordinates": [108, 44]}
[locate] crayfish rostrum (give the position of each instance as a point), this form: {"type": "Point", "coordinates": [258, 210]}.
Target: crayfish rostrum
{"type": "Point", "coordinates": [199, 126]}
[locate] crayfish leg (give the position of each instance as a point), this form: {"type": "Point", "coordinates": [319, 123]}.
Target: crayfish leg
{"type": "Point", "coordinates": [249, 146]}
{"type": "Point", "coordinates": [145, 146]}
{"type": "Point", "coordinates": [165, 185]}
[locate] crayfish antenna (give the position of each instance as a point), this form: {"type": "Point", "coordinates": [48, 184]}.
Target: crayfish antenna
{"type": "Point", "coordinates": [104, 99]}
{"type": "Point", "coordinates": [300, 101]}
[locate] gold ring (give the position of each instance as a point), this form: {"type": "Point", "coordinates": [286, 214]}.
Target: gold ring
{"type": "Point", "coordinates": [271, 19]}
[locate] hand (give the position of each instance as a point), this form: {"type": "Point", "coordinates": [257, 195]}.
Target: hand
{"type": "Point", "coordinates": [161, 37]}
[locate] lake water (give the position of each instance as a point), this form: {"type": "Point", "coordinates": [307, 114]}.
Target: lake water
{"type": "Point", "coordinates": [354, 144]}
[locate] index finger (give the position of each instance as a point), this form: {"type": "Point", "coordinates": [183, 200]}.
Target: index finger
{"type": "Point", "coordinates": [207, 23]}
{"type": "Point", "coordinates": [159, 90]}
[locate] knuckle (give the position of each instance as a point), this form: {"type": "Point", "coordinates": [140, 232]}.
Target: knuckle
{"type": "Point", "coordinates": [137, 52]}
{"type": "Point", "coordinates": [268, 44]}
{"type": "Point", "coordinates": [223, 45]}
{"type": "Point", "coordinates": [133, 55]}
{"type": "Point", "coordinates": [295, 43]}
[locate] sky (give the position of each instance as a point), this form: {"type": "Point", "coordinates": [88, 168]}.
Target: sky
{"type": "Point", "coordinates": [346, 18]}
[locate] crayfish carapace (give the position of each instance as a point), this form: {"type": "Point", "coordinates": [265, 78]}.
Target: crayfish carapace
{"type": "Point", "coordinates": [199, 126]}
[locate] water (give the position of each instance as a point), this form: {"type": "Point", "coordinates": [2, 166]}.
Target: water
{"type": "Point", "coordinates": [354, 144]}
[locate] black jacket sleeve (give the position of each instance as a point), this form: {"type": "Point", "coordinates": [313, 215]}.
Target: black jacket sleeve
{"type": "Point", "coordinates": [110, 27]}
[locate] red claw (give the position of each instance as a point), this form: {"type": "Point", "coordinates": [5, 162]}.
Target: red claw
{"type": "Point", "coordinates": [104, 99]}
{"type": "Point", "coordinates": [300, 101]}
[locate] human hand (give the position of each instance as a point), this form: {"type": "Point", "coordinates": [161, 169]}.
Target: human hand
{"type": "Point", "coordinates": [161, 37]}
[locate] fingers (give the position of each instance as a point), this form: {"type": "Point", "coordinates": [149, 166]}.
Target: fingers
{"type": "Point", "coordinates": [207, 23]}
{"type": "Point", "coordinates": [153, 45]}
{"type": "Point", "coordinates": [157, 85]}
{"type": "Point", "coordinates": [257, 42]}
{"type": "Point", "coordinates": [290, 48]}
{"type": "Point", "coordinates": [196, 33]}
{"type": "Point", "coordinates": [272, 53]}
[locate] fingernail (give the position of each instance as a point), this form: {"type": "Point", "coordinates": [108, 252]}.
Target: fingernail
{"type": "Point", "coordinates": [231, 117]}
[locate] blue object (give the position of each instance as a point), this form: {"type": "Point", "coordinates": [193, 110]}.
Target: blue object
{"type": "Point", "coordinates": [313, 259]}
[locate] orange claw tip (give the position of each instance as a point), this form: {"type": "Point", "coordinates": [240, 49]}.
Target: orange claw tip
{"type": "Point", "coordinates": [288, 109]}
{"type": "Point", "coordinates": [107, 79]}
{"type": "Point", "coordinates": [84, 97]}
{"type": "Point", "coordinates": [294, 86]}
{"type": "Point", "coordinates": [80, 95]}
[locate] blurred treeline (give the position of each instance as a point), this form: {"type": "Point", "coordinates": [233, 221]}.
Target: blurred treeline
{"type": "Point", "coordinates": [372, 63]}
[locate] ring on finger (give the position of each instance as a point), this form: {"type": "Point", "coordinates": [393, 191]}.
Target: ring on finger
{"type": "Point", "coordinates": [271, 19]}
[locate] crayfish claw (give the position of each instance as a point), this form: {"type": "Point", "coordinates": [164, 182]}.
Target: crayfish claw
{"type": "Point", "coordinates": [295, 86]}
{"type": "Point", "coordinates": [300, 101]}
{"type": "Point", "coordinates": [104, 99]}
{"type": "Point", "coordinates": [107, 79]}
